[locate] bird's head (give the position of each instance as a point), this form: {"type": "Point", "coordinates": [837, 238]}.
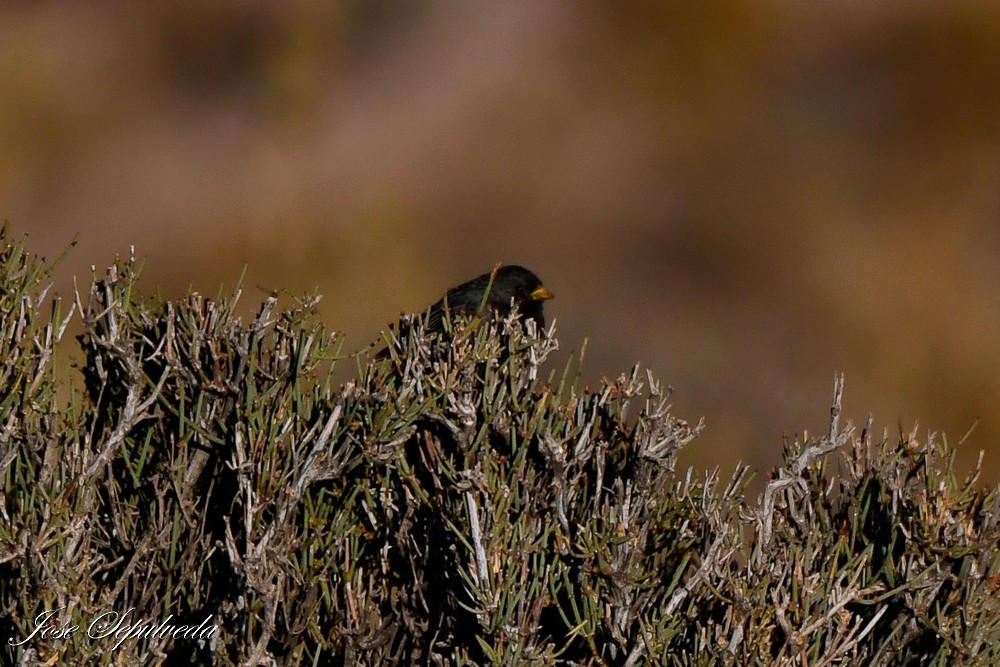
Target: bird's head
{"type": "Point", "coordinates": [524, 287]}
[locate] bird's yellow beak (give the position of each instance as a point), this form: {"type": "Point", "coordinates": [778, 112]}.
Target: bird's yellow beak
{"type": "Point", "coordinates": [541, 294]}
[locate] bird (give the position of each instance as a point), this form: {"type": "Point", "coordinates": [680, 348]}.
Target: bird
{"type": "Point", "coordinates": [489, 296]}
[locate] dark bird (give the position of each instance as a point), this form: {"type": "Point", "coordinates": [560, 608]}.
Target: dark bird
{"type": "Point", "coordinates": [488, 296]}
{"type": "Point", "coordinates": [492, 294]}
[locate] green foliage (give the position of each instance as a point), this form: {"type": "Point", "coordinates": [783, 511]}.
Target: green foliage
{"type": "Point", "coordinates": [447, 506]}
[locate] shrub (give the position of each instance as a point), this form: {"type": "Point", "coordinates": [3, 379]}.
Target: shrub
{"type": "Point", "coordinates": [207, 495]}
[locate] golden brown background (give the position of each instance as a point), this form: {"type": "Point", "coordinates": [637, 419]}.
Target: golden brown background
{"type": "Point", "coordinates": [744, 196]}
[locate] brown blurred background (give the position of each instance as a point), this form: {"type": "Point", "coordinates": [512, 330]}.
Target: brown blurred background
{"type": "Point", "coordinates": [744, 196]}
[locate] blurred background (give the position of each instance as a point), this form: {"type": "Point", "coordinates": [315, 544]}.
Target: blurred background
{"type": "Point", "coordinates": [745, 197]}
